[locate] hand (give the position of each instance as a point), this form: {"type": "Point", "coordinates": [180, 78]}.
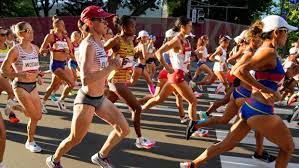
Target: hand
{"type": "Point", "coordinates": [115, 63]}
{"type": "Point", "coordinates": [40, 80]}
{"type": "Point", "coordinates": [169, 69]}
{"type": "Point", "coordinates": [271, 96]}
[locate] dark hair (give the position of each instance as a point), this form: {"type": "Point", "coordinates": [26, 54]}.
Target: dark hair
{"type": "Point", "coordinates": [181, 21]}
{"type": "Point", "coordinates": [125, 20]}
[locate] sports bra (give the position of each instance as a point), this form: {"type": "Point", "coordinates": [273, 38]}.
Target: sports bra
{"type": "Point", "coordinates": [26, 62]}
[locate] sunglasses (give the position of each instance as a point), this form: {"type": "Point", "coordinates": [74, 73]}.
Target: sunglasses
{"type": "Point", "coordinates": [283, 29]}
{"type": "Point", "coordinates": [100, 20]}
{"type": "Point", "coordinates": [3, 34]}
{"type": "Point", "coordinates": [27, 30]}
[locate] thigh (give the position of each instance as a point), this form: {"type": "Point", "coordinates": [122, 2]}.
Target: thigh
{"type": "Point", "coordinates": [126, 95]}
{"type": "Point", "coordinates": [265, 124]}
{"type": "Point", "coordinates": [82, 117]}
{"type": "Point", "coordinates": [206, 69]}
{"type": "Point", "coordinates": [231, 110]}
{"type": "Point", "coordinates": [185, 91]}
{"type": "Point", "coordinates": [26, 101]}
{"type": "Point", "coordinates": [37, 103]}
{"type": "Point", "coordinates": [220, 76]}
{"type": "Point", "coordinates": [111, 114]}
{"type": "Point", "coordinates": [65, 75]}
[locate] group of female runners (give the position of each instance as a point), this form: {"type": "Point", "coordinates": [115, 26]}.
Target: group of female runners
{"type": "Point", "coordinates": [108, 65]}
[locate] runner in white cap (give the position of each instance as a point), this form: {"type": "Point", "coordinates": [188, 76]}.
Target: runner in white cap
{"type": "Point", "coordinates": [257, 111]}
{"type": "Point", "coordinates": [140, 67]}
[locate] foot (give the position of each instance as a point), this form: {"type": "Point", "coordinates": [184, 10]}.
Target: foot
{"type": "Point", "coordinates": [142, 142]}
{"type": "Point", "coordinates": [2, 165]}
{"type": "Point", "coordinates": [190, 129]}
{"type": "Point", "coordinates": [33, 147]}
{"type": "Point", "coordinates": [44, 109]}
{"type": "Point", "coordinates": [220, 88]}
{"type": "Point", "coordinates": [197, 94]}
{"type": "Point", "coordinates": [184, 119]}
{"type": "Point", "coordinates": [192, 84]}
{"type": "Point", "coordinates": [201, 133]}
{"type": "Point", "coordinates": [51, 164]}
{"type": "Point", "coordinates": [97, 159]}
{"type": "Point", "coordinates": [203, 115]}
{"type": "Point", "coordinates": [13, 118]}
{"type": "Point", "coordinates": [53, 98]}
{"type": "Point", "coordinates": [61, 105]}
{"type": "Point", "coordinates": [295, 114]}
{"type": "Point", "coordinates": [265, 157]}
{"type": "Point", "coordinates": [187, 164]}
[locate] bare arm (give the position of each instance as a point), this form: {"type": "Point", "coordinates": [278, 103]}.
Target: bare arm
{"type": "Point", "coordinates": [242, 61]}
{"type": "Point", "coordinates": [235, 56]}
{"type": "Point", "coordinates": [164, 48]}
{"type": "Point", "coordinates": [44, 49]}
{"type": "Point", "coordinates": [217, 52]}
{"type": "Point", "coordinates": [260, 61]}
{"type": "Point", "coordinates": [6, 68]}
{"type": "Point", "coordinates": [112, 44]}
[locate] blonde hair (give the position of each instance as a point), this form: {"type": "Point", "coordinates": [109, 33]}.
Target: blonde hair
{"type": "Point", "coordinates": [55, 20]}
{"type": "Point", "coordinates": [255, 31]}
{"type": "Point", "coordinates": [20, 26]}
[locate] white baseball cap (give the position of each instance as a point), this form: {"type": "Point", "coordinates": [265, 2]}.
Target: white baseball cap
{"type": "Point", "coordinates": [142, 33]}
{"type": "Point", "coordinates": [190, 35]}
{"type": "Point", "coordinates": [273, 22]}
{"type": "Point", "coordinates": [241, 37]}
{"type": "Point", "coordinates": [170, 33]}
{"type": "Point", "coordinates": [294, 51]}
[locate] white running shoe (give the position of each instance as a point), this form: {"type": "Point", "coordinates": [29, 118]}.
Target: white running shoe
{"type": "Point", "coordinates": [44, 109]}
{"type": "Point", "coordinates": [142, 142]}
{"type": "Point", "coordinates": [2, 165]}
{"type": "Point", "coordinates": [201, 133]}
{"type": "Point", "coordinates": [197, 94]}
{"type": "Point", "coordinates": [33, 147]}
{"type": "Point", "coordinates": [200, 87]}
{"type": "Point", "coordinates": [192, 84]}
{"type": "Point", "coordinates": [220, 88]}
{"type": "Point", "coordinates": [184, 119]}
{"type": "Point", "coordinates": [61, 106]}
{"type": "Point", "coordinates": [186, 165]}
{"type": "Point", "coordinates": [103, 162]}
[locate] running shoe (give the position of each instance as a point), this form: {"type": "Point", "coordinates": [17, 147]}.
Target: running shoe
{"type": "Point", "coordinates": [2, 165]}
{"type": "Point", "coordinates": [187, 164]}
{"type": "Point", "coordinates": [13, 118]}
{"type": "Point", "coordinates": [53, 98]}
{"type": "Point", "coordinates": [192, 84]}
{"type": "Point", "coordinates": [197, 94]}
{"type": "Point", "coordinates": [184, 119]}
{"type": "Point", "coordinates": [220, 88]}
{"type": "Point", "coordinates": [44, 109]}
{"type": "Point", "coordinates": [201, 133]}
{"type": "Point", "coordinates": [292, 99]}
{"type": "Point", "coordinates": [51, 164]}
{"type": "Point", "coordinates": [144, 143]}
{"type": "Point", "coordinates": [7, 111]}
{"type": "Point", "coordinates": [73, 92]}
{"type": "Point", "coordinates": [200, 87]}
{"type": "Point", "coordinates": [295, 114]}
{"type": "Point", "coordinates": [265, 157]}
{"type": "Point", "coordinates": [33, 147]}
{"type": "Point", "coordinates": [97, 159]}
{"type": "Point", "coordinates": [203, 115]}
{"type": "Point", "coordinates": [61, 105]}
{"type": "Point", "coordinates": [190, 129]}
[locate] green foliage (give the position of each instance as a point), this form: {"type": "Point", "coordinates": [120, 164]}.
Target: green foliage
{"type": "Point", "coordinates": [75, 7]}
{"type": "Point", "coordinates": [16, 8]}
{"type": "Point", "coordinates": [177, 7]}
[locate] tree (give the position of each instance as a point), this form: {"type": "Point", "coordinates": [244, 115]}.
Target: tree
{"type": "Point", "coordinates": [45, 5]}
{"type": "Point", "coordinates": [140, 6]}
{"type": "Point", "coordinates": [75, 7]}
{"type": "Point", "coordinates": [16, 8]}
{"type": "Point", "coordinates": [251, 9]}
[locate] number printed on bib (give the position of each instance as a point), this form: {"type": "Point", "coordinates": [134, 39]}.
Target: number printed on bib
{"type": "Point", "coordinates": [2, 56]}
{"type": "Point", "coordinates": [61, 45]}
{"type": "Point", "coordinates": [127, 62]}
{"type": "Point", "coordinates": [30, 64]}
{"type": "Point", "coordinates": [103, 62]}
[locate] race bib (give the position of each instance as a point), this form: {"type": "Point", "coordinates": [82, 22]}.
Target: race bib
{"type": "Point", "coordinates": [61, 45]}
{"type": "Point", "coordinates": [187, 56]}
{"type": "Point", "coordinates": [103, 62]}
{"type": "Point", "coordinates": [30, 64]}
{"type": "Point", "coordinates": [127, 62]}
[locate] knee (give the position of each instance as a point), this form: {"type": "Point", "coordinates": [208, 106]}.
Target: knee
{"type": "Point", "coordinates": [123, 131]}
{"type": "Point", "coordinates": [137, 108]}
{"type": "Point", "coordinates": [158, 99]}
{"type": "Point", "coordinates": [192, 100]}
{"type": "Point", "coordinates": [75, 140]}
{"type": "Point", "coordinates": [288, 147]}
{"type": "Point", "coordinates": [36, 116]}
